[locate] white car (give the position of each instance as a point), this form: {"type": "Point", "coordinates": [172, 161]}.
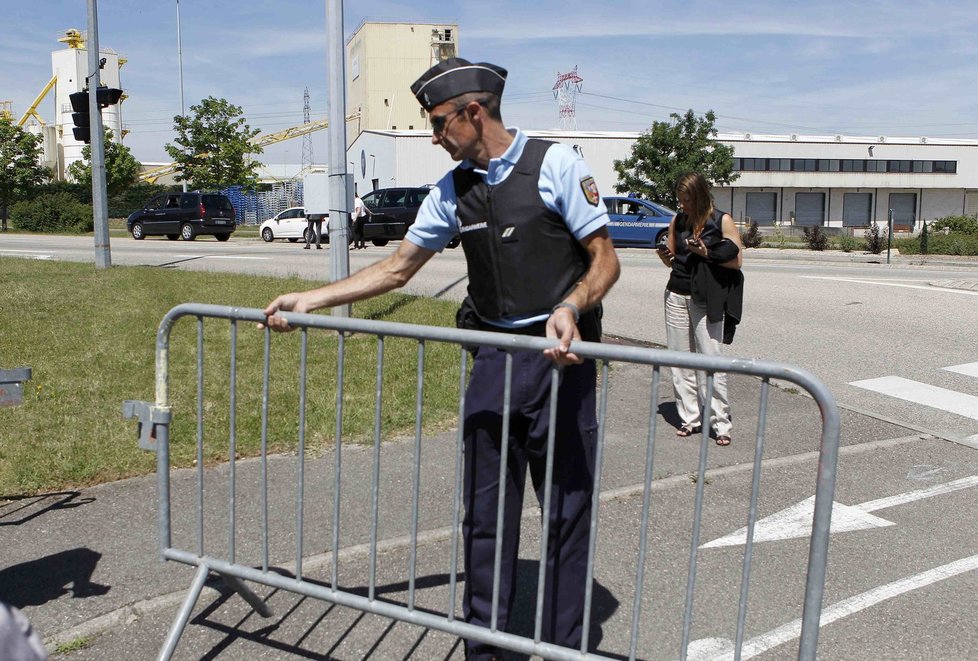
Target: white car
{"type": "Point", "coordinates": [289, 224]}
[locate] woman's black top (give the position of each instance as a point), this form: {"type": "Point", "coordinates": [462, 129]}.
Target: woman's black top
{"type": "Point", "coordinates": [680, 277]}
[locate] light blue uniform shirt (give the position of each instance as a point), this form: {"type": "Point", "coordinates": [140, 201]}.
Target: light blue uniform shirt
{"type": "Point", "coordinates": [563, 180]}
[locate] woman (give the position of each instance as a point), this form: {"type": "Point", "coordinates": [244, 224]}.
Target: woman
{"type": "Point", "coordinates": [702, 296]}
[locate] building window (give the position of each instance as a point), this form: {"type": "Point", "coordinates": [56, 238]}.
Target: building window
{"type": "Point", "coordinates": [875, 166]}
{"type": "Point", "coordinates": [736, 164]}
{"type": "Point", "coordinates": [754, 164]}
{"type": "Point", "coordinates": [803, 164]}
{"type": "Point", "coordinates": [853, 165]}
{"type": "Point", "coordinates": [947, 167]}
{"type": "Point", "coordinates": [923, 166]}
{"type": "Point", "coordinates": [898, 166]}
{"type": "Point", "coordinates": [779, 164]}
{"type": "Point", "coordinates": [828, 165]}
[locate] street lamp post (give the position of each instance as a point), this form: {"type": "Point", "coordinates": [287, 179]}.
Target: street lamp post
{"type": "Point", "coordinates": [180, 62]}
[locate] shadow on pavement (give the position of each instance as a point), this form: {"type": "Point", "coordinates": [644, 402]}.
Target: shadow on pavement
{"type": "Point", "coordinates": [604, 604]}
{"type": "Point", "coordinates": [39, 581]}
{"type": "Point", "coordinates": [26, 508]}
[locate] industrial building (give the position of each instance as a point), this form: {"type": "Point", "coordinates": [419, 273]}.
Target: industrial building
{"type": "Point", "coordinates": [834, 181]}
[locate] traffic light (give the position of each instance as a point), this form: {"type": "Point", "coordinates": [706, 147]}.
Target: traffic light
{"type": "Point", "coordinates": [105, 96]}
{"type": "Point", "coordinates": [80, 116]}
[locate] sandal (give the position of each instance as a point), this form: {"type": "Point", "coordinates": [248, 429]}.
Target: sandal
{"type": "Point", "coordinates": [686, 430]}
{"type": "Point", "coordinates": [723, 440]}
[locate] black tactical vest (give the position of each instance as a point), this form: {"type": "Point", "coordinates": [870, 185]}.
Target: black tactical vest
{"type": "Point", "coordinates": [522, 258]}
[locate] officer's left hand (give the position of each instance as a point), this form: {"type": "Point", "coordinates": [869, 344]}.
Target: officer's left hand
{"type": "Point", "coordinates": [561, 326]}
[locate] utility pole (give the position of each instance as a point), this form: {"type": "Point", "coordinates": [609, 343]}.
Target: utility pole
{"type": "Point", "coordinates": [103, 257]}
{"type": "Point", "coordinates": [183, 110]}
{"type": "Point", "coordinates": [340, 183]}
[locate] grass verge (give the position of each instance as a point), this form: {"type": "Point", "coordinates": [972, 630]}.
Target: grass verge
{"type": "Point", "coordinates": [89, 337]}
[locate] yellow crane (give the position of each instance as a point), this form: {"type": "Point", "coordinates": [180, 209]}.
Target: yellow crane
{"type": "Point", "coordinates": [153, 174]}
{"type": "Point", "coordinates": [32, 110]}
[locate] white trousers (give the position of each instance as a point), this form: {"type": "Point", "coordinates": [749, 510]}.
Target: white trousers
{"type": "Point", "coordinates": [687, 329]}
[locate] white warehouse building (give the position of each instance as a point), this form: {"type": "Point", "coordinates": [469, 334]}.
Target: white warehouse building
{"type": "Point", "coordinates": [833, 181]}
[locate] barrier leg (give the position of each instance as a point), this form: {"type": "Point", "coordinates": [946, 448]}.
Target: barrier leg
{"type": "Point", "coordinates": [183, 615]}
{"type": "Point", "coordinates": [248, 595]}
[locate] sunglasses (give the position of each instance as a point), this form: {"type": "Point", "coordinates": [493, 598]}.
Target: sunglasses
{"type": "Point", "coordinates": [438, 122]}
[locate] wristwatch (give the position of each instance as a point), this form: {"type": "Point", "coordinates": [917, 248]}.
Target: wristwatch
{"type": "Point", "coordinates": [569, 306]}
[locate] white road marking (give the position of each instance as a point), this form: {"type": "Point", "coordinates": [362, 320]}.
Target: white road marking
{"type": "Point", "coordinates": [923, 393]}
{"type": "Point", "coordinates": [852, 605]}
{"type": "Point", "coordinates": [887, 283]}
{"type": "Point", "coordinates": [221, 257]}
{"type": "Point", "coordinates": [29, 254]}
{"type": "Point", "coordinates": [968, 369]}
{"type": "Point", "coordinates": [796, 521]}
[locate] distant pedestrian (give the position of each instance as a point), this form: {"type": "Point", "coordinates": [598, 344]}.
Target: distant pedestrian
{"type": "Point", "coordinates": [359, 217]}
{"type": "Point", "coordinates": [703, 300]}
{"type": "Point", "coordinates": [314, 228]}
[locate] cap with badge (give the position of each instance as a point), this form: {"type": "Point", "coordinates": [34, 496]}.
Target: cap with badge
{"type": "Point", "coordinates": [455, 76]}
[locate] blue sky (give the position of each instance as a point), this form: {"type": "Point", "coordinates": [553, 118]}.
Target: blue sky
{"type": "Point", "coordinates": [875, 67]}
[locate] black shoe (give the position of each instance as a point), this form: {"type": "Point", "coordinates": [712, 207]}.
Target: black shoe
{"type": "Point", "coordinates": [306, 248]}
{"type": "Point", "coordinates": [319, 247]}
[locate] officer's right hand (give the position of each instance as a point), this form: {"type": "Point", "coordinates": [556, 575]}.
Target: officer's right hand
{"type": "Point", "coordinates": [284, 303]}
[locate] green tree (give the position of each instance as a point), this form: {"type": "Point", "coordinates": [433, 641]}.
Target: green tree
{"type": "Point", "coordinates": [20, 166]}
{"type": "Point", "coordinates": [213, 146]}
{"type": "Point", "coordinates": [670, 149]}
{"type": "Point", "coordinates": [121, 167]}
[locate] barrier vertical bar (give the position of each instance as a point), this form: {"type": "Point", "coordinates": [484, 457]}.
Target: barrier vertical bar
{"type": "Point", "coordinates": [418, 419]}
{"type": "Point", "coordinates": [266, 369]}
{"type": "Point", "coordinates": [501, 504]}
{"type": "Point", "coordinates": [547, 487]}
{"type": "Point", "coordinates": [234, 440]}
{"type": "Point", "coordinates": [706, 413]}
{"type": "Point", "coordinates": [646, 506]}
{"type": "Point", "coordinates": [457, 498]}
{"type": "Point", "coordinates": [375, 481]}
{"type": "Point", "coordinates": [337, 472]}
{"type": "Point", "coordinates": [200, 436]}
{"type": "Point", "coordinates": [755, 489]}
{"type": "Point", "coordinates": [301, 481]}
{"type": "Point", "coordinates": [821, 522]}
{"type": "Point", "coordinates": [595, 499]}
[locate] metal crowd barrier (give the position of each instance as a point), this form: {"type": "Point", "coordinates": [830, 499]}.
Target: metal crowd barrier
{"type": "Point", "coordinates": [154, 434]}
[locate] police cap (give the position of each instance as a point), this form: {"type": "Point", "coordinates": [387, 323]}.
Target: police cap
{"type": "Point", "coordinates": [456, 76]}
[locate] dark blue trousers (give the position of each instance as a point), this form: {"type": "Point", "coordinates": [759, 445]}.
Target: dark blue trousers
{"type": "Point", "coordinates": [570, 499]}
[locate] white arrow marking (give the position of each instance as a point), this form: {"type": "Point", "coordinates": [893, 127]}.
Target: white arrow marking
{"type": "Point", "coordinates": [837, 611]}
{"type": "Point", "coordinates": [796, 521]}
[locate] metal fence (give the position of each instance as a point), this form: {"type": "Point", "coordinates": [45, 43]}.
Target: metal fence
{"type": "Point", "coordinates": [189, 518]}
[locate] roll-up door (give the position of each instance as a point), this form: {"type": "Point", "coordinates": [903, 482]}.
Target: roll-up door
{"type": "Point", "coordinates": [809, 208]}
{"type": "Point", "coordinates": [971, 204]}
{"type": "Point", "coordinates": [762, 207]}
{"type": "Point", "coordinates": [904, 207]}
{"type": "Point", "coordinates": [857, 209]}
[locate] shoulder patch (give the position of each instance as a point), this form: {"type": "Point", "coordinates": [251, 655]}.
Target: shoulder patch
{"type": "Point", "coordinates": [590, 191]}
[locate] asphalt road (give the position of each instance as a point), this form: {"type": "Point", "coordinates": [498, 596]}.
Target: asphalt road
{"type": "Point", "coordinates": [845, 322]}
{"type": "Point", "coordinates": [901, 581]}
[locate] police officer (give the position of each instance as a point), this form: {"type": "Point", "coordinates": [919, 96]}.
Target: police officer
{"type": "Point", "coordinates": [539, 262]}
